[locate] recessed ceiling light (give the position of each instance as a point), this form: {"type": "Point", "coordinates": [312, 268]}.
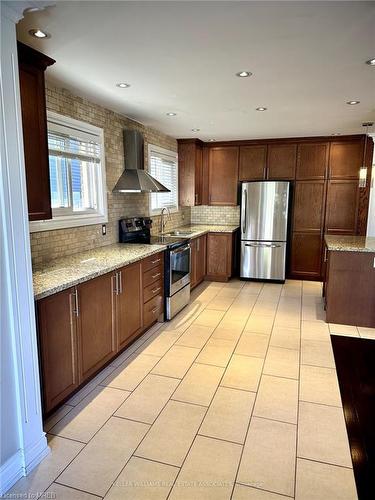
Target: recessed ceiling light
{"type": "Point", "coordinates": [171, 114]}
{"type": "Point", "coordinates": [211, 140]}
{"type": "Point", "coordinates": [352, 103]}
{"type": "Point", "coordinates": [195, 129]}
{"type": "Point", "coordinates": [123, 85]}
{"type": "Point", "coordinates": [371, 62]}
{"type": "Point", "coordinates": [37, 33]}
{"type": "Point", "coordinates": [261, 108]}
{"type": "Point", "coordinates": [243, 74]}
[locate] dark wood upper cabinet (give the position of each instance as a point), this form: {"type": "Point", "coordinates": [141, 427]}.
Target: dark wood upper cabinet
{"type": "Point", "coordinates": [312, 161]}
{"type": "Point", "coordinates": [252, 163]}
{"type": "Point", "coordinates": [32, 65]}
{"type": "Point", "coordinates": [96, 323]}
{"type": "Point", "coordinates": [345, 159]}
{"type": "Point", "coordinates": [281, 161]}
{"type": "Point", "coordinates": [342, 206]}
{"type": "Point", "coordinates": [309, 203]}
{"type": "Point", "coordinates": [129, 303]}
{"type": "Point", "coordinates": [223, 175]}
{"type": "Point", "coordinates": [58, 346]}
{"type": "Point", "coordinates": [190, 171]}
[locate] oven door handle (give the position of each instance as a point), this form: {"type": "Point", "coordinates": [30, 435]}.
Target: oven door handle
{"type": "Point", "coordinates": [179, 250]}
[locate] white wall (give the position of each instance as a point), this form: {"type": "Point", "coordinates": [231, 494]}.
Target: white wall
{"type": "Point", "coordinates": [371, 210]}
{"type": "Point", "coordinates": [23, 443]}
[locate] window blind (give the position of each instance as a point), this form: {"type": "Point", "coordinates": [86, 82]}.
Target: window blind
{"type": "Point", "coordinates": [163, 167]}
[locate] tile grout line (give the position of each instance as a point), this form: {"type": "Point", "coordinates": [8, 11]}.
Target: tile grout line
{"type": "Point", "coordinates": [298, 394]}
{"type": "Point", "coordinates": [255, 400]}
{"type": "Point", "coordinates": [217, 388]}
{"type": "Point", "coordinates": [150, 426]}
{"type": "Point", "coordinates": [112, 415]}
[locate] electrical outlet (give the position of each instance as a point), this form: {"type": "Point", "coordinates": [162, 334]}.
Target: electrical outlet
{"type": "Point", "coordinates": [104, 229]}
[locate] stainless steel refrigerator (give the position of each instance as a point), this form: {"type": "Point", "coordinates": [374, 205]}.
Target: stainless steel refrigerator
{"type": "Point", "coordinates": [264, 223]}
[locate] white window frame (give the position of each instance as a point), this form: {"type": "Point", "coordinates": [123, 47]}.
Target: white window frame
{"type": "Point", "coordinates": [66, 220]}
{"type": "Point", "coordinates": [167, 152]}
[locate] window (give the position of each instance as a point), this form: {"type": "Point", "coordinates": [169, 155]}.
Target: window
{"type": "Point", "coordinates": [77, 174]}
{"type": "Point", "coordinates": [162, 164]}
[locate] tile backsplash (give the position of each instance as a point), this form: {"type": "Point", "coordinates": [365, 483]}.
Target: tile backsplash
{"type": "Point", "coordinates": [48, 245]}
{"type": "Point", "coordinates": [215, 215]}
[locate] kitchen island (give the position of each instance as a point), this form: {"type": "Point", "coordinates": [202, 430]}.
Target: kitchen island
{"type": "Point", "coordinates": [349, 285]}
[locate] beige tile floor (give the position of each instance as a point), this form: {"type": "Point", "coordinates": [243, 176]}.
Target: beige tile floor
{"type": "Point", "coordinates": [236, 398]}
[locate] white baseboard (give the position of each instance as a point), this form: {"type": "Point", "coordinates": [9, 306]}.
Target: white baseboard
{"type": "Point", "coordinates": [21, 464]}
{"type": "Point", "coordinates": [11, 471]}
{"type": "Point", "coordinates": [35, 454]}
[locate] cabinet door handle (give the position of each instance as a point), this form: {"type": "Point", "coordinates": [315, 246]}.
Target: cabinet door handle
{"type": "Point", "coordinates": [325, 254]}
{"type": "Point", "coordinates": [155, 275]}
{"type": "Point", "coordinates": [76, 305]}
{"type": "Point", "coordinates": [120, 281]}
{"type": "Point", "coordinates": [115, 281]}
{"type": "Point", "coordinates": [156, 289]}
{"type": "Point", "coordinates": [196, 198]}
{"type": "Point", "coordinates": [155, 261]}
{"type": "Point", "coordinates": [154, 310]}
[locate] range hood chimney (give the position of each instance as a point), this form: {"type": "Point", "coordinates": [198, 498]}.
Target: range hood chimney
{"type": "Point", "coordinates": [134, 178]}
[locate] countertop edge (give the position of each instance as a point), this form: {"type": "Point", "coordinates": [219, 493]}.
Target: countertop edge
{"type": "Point", "coordinates": [342, 246]}
{"type": "Point", "coordinates": [96, 274]}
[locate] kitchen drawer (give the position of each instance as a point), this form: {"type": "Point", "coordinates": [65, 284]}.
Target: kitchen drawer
{"type": "Point", "coordinates": [152, 261]}
{"type": "Point", "coordinates": [152, 290]}
{"type": "Point", "coordinates": [152, 275]}
{"type": "Point", "coordinates": [152, 310]}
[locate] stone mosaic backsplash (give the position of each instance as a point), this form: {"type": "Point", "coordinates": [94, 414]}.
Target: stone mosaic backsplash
{"type": "Point", "coordinates": [48, 245]}
{"type": "Point", "coordinates": [215, 215]}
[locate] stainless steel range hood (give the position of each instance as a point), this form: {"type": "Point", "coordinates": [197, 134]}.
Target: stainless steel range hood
{"type": "Point", "coordinates": [134, 178]}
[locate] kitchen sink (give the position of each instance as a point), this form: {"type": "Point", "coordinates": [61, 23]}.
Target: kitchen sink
{"type": "Point", "coordinates": [179, 233]}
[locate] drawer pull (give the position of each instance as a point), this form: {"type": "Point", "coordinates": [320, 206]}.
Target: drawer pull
{"type": "Point", "coordinates": [155, 275]}
{"type": "Point", "coordinates": [155, 261]}
{"type": "Point", "coordinates": [156, 290]}
{"type": "Point", "coordinates": [154, 310]}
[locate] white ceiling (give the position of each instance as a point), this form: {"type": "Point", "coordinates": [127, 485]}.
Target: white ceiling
{"type": "Point", "coordinates": [307, 59]}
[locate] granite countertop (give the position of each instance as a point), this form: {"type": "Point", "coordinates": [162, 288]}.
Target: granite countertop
{"type": "Point", "coordinates": [60, 274]}
{"type": "Point", "coordinates": [63, 273]}
{"type": "Point", "coordinates": [339, 243]}
{"type": "Point", "coordinates": [200, 229]}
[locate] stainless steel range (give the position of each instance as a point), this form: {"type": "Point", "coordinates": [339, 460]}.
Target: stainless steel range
{"type": "Point", "coordinates": [177, 261]}
{"type": "Point", "coordinates": [177, 277]}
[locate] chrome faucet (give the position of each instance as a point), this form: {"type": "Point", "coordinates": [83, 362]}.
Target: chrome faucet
{"type": "Point", "coordinates": [163, 222]}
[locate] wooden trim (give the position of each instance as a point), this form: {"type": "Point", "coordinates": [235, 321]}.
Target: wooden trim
{"type": "Point", "coordinates": [28, 55]}
{"type": "Point", "coordinates": [280, 140]}
{"type": "Point", "coordinates": [197, 142]}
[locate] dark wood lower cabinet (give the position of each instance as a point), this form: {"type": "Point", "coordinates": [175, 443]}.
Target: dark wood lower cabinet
{"type": "Point", "coordinates": [58, 347]}
{"type": "Point", "coordinates": [350, 288]}
{"type": "Point", "coordinates": [129, 308]}
{"type": "Point", "coordinates": [198, 260]}
{"type": "Point", "coordinates": [220, 252]}
{"type": "Point", "coordinates": [306, 255]}
{"type": "Point", "coordinates": [96, 320]}
{"type": "Point", "coordinates": [83, 328]}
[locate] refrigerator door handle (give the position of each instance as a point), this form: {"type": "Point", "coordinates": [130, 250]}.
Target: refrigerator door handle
{"type": "Point", "coordinates": [265, 245]}
{"type": "Point", "coordinates": [244, 224]}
